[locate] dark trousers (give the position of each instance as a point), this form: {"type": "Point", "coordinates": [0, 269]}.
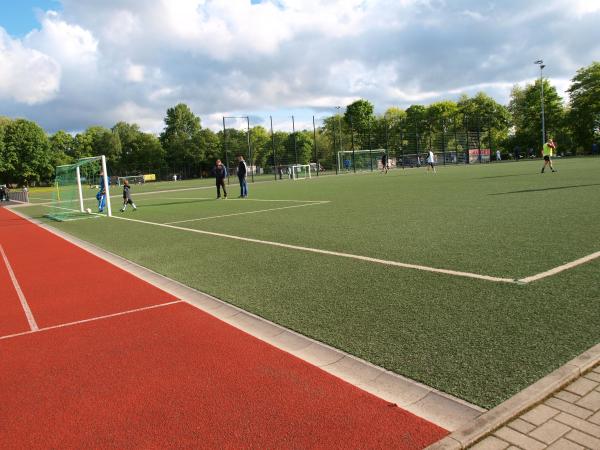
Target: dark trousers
{"type": "Point", "coordinates": [221, 184]}
{"type": "Point", "coordinates": [243, 186]}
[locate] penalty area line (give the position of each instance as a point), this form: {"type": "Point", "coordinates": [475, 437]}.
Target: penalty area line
{"type": "Point", "coordinates": [244, 213]}
{"type": "Point", "coordinates": [559, 269]}
{"type": "Point", "coordinates": [22, 299]}
{"type": "Point", "coordinates": [328, 252]}
{"type": "Point", "coordinates": [92, 319]}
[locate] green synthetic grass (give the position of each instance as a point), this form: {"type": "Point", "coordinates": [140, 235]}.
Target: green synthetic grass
{"type": "Point", "coordinates": [479, 340]}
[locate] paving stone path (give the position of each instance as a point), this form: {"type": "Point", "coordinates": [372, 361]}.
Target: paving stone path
{"type": "Point", "coordinates": [569, 420]}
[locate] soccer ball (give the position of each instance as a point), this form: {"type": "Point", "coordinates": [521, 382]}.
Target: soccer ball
{"type": "Point", "coordinates": [88, 210]}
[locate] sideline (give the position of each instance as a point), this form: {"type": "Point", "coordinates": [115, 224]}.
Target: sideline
{"type": "Point", "coordinates": [24, 304]}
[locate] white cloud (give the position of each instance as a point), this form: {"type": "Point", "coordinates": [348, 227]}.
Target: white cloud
{"type": "Point", "coordinates": [69, 44]}
{"type": "Point", "coordinates": [26, 75]}
{"type": "Point", "coordinates": [132, 59]}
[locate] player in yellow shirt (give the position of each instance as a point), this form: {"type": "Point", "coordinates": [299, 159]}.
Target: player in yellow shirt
{"type": "Point", "coordinates": [548, 151]}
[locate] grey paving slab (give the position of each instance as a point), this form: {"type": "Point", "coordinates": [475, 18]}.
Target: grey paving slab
{"type": "Point", "coordinates": [491, 443]}
{"type": "Point", "coordinates": [564, 444]}
{"type": "Point", "coordinates": [550, 432]}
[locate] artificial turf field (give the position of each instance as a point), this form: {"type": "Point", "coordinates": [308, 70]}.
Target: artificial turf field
{"type": "Point", "coordinates": [477, 339]}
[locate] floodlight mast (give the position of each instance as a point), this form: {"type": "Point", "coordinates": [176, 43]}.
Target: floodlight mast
{"type": "Point", "coordinates": [540, 63]}
{"type": "Point", "coordinates": [250, 159]}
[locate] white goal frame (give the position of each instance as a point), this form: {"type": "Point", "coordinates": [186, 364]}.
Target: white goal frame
{"type": "Point", "coordinates": [376, 154]}
{"type": "Point", "coordinates": [102, 158]}
{"type": "Point", "coordinates": [296, 171]}
{"type": "Point", "coordinates": [129, 178]}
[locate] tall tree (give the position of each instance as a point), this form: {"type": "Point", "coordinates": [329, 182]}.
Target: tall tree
{"type": "Point", "coordinates": [61, 146]}
{"type": "Point", "coordinates": [181, 137]}
{"type": "Point", "coordinates": [7, 161]}
{"type": "Point", "coordinates": [525, 108]}
{"type": "Point", "coordinates": [28, 148]}
{"type": "Point", "coordinates": [584, 114]}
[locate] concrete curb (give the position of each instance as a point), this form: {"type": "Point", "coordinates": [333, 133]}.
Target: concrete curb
{"type": "Point", "coordinates": [435, 406]}
{"type": "Point", "coordinates": [480, 427]}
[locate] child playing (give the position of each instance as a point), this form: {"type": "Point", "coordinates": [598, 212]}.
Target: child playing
{"type": "Point", "coordinates": [127, 196]}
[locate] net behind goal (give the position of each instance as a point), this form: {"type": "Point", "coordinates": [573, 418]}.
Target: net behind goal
{"type": "Point", "coordinates": [301, 171]}
{"type": "Point", "coordinates": [75, 188]}
{"type": "Point", "coordinates": [362, 160]}
{"type": "Point", "coordinates": [132, 179]}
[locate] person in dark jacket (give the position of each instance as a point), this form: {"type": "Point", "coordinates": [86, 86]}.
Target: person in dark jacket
{"type": "Point", "coordinates": [220, 174]}
{"type": "Point", "coordinates": [241, 173]}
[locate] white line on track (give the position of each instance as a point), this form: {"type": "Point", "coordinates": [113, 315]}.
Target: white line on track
{"type": "Point", "coordinates": [244, 213]}
{"type": "Point", "coordinates": [562, 268]}
{"type": "Point", "coordinates": [92, 319]}
{"type": "Point", "coordinates": [328, 252]}
{"type": "Point", "coordinates": [24, 304]}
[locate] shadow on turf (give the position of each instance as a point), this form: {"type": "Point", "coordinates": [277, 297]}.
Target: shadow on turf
{"type": "Point", "coordinates": [505, 176]}
{"type": "Point", "coordinates": [153, 205]}
{"type": "Point", "coordinates": [546, 189]}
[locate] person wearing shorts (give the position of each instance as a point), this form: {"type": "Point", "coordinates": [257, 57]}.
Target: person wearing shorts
{"type": "Point", "coordinates": [547, 152]}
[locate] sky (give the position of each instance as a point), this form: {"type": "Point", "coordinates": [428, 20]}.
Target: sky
{"type": "Point", "coordinates": [70, 64]}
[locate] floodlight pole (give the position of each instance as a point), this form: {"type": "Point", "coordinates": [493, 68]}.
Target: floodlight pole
{"type": "Point", "coordinates": [250, 149]}
{"type": "Point", "coordinates": [540, 62]}
{"type": "Point", "coordinates": [225, 148]}
{"type": "Point", "coordinates": [273, 146]}
{"type": "Point", "coordinates": [79, 190]}
{"type": "Point", "coordinates": [315, 140]}
{"type": "Point", "coordinates": [106, 188]}
{"type": "Point", "coordinates": [295, 143]}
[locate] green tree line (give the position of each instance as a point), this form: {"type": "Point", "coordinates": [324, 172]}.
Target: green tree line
{"type": "Point", "coordinates": [28, 155]}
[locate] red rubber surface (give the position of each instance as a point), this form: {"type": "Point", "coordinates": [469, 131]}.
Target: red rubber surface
{"type": "Point", "coordinates": [63, 283]}
{"type": "Point", "coordinates": [176, 377]}
{"type": "Point", "coordinates": [12, 317]}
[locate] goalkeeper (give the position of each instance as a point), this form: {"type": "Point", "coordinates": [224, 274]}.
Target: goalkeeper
{"type": "Point", "coordinates": [101, 195]}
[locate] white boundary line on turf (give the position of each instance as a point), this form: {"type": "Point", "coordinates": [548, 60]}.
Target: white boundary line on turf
{"type": "Point", "coordinates": [245, 213]}
{"type": "Point", "coordinates": [247, 200]}
{"type": "Point", "coordinates": [328, 252]}
{"type": "Point", "coordinates": [92, 319]}
{"type": "Point", "coordinates": [567, 266]}
{"type": "Point", "coordinates": [24, 304]}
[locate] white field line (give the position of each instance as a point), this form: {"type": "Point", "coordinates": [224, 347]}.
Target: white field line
{"type": "Point", "coordinates": [24, 304]}
{"type": "Point", "coordinates": [559, 269]}
{"type": "Point", "coordinates": [164, 191]}
{"type": "Point", "coordinates": [247, 200]}
{"type": "Point", "coordinates": [245, 213]}
{"type": "Point", "coordinates": [92, 319]}
{"type": "Point", "coordinates": [328, 252]}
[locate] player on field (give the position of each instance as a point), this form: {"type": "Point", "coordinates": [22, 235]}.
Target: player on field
{"type": "Point", "coordinates": [220, 174]}
{"type": "Point", "coordinates": [101, 195]}
{"type": "Point", "coordinates": [431, 161]}
{"type": "Point", "coordinates": [241, 173]}
{"type": "Point", "coordinates": [127, 197]}
{"type": "Point", "coordinates": [384, 163]}
{"type": "Point", "coordinates": [548, 151]}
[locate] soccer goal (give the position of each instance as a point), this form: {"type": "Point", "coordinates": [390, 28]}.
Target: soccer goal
{"type": "Point", "coordinates": [132, 179]}
{"type": "Point", "coordinates": [68, 200]}
{"type": "Point", "coordinates": [362, 160]}
{"type": "Point", "coordinates": [301, 171]}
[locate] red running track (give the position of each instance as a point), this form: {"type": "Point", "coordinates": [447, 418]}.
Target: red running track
{"type": "Point", "coordinates": [170, 376]}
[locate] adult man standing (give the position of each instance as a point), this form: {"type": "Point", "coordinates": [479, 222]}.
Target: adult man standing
{"type": "Point", "coordinates": [242, 170]}
{"type": "Point", "coordinates": [220, 175]}
{"type": "Point", "coordinates": [548, 152]}
{"type": "Point", "coordinates": [384, 163]}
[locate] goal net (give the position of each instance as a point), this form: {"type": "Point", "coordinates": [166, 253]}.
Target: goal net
{"type": "Point", "coordinates": [71, 181]}
{"type": "Point", "coordinates": [301, 171]}
{"type": "Point", "coordinates": [363, 160]}
{"type": "Point", "coordinates": [132, 179]}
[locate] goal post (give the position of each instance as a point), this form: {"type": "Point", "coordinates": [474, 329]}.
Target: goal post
{"type": "Point", "coordinates": [135, 179]}
{"type": "Point", "coordinates": [301, 172]}
{"type": "Point", "coordinates": [68, 198]}
{"type": "Point", "coordinates": [363, 160]}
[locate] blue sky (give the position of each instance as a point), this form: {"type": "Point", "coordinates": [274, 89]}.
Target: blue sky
{"type": "Point", "coordinates": [20, 17]}
{"type": "Point", "coordinates": [70, 64]}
